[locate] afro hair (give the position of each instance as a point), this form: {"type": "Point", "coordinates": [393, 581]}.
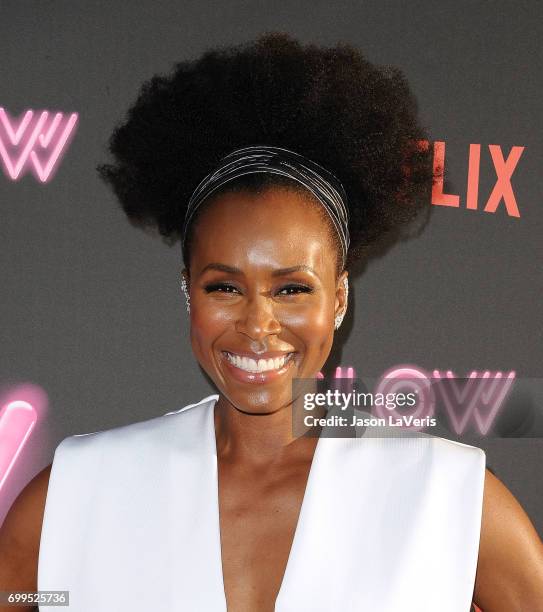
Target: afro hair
{"type": "Point", "coordinates": [330, 104]}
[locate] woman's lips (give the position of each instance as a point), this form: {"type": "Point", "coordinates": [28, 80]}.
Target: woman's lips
{"type": "Point", "coordinates": [257, 377]}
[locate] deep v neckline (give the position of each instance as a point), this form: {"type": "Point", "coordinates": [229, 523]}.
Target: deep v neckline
{"type": "Point", "coordinates": [304, 508]}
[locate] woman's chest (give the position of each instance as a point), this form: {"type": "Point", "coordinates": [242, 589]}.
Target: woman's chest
{"type": "Point", "coordinates": [257, 525]}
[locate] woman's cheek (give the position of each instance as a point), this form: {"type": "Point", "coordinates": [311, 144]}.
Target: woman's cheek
{"type": "Point", "coordinates": [315, 330]}
{"type": "Point", "coordinates": [211, 318]}
{"type": "Point", "coordinates": [311, 322]}
{"type": "Point", "coordinates": [206, 325]}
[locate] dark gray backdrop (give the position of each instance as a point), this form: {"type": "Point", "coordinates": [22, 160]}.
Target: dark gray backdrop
{"type": "Point", "coordinates": [91, 308]}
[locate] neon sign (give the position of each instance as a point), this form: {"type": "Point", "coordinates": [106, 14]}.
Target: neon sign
{"type": "Point", "coordinates": [36, 143]}
{"type": "Point", "coordinates": [473, 399]}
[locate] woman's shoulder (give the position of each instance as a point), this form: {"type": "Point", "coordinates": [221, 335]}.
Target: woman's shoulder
{"type": "Point", "coordinates": [510, 563]}
{"type": "Point", "coordinates": [20, 534]}
{"type": "Point", "coordinates": [162, 427]}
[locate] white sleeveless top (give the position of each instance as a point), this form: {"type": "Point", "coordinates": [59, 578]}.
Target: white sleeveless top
{"type": "Point", "coordinates": [131, 522]}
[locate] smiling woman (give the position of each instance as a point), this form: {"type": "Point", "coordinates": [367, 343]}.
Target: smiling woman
{"type": "Point", "coordinates": [277, 166]}
{"type": "Point", "coordinates": [274, 296]}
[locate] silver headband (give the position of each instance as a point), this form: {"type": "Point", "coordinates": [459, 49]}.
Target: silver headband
{"type": "Point", "coordinates": [276, 160]}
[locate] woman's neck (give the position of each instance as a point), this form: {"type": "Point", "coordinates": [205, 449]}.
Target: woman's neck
{"type": "Point", "coordinates": [258, 441]}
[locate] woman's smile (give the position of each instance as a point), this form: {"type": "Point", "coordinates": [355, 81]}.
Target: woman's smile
{"type": "Point", "coordinates": [257, 370]}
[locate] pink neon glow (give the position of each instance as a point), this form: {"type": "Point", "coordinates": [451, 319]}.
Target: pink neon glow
{"type": "Point", "coordinates": [16, 422]}
{"type": "Point", "coordinates": [480, 399]}
{"type": "Point", "coordinates": [347, 373]}
{"type": "Point", "coordinates": [340, 372]}
{"type": "Point", "coordinates": [405, 379]}
{"type": "Point", "coordinates": [35, 133]}
{"type": "Point", "coordinates": [22, 407]}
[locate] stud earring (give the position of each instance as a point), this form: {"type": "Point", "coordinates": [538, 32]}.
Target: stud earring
{"type": "Point", "coordinates": [186, 292]}
{"type": "Point", "coordinates": [339, 318]}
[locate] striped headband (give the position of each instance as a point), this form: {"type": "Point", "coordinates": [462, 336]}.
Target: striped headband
{"type": "Point", "coordinates": [276, 160]}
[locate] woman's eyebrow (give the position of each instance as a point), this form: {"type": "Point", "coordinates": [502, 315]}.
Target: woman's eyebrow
{"type": "Point", "coordinates": [301, 268]}
{"type": "Point", "coordinates": [280, 272]}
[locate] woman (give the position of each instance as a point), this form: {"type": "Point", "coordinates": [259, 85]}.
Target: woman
{"type": "Point", "coordinates": [278, 166]}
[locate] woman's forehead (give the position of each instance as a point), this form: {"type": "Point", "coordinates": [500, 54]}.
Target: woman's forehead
{"type": "Point", "coordinates": [270, 230]}
{"type": "Point", "coordinates": [276, 220]}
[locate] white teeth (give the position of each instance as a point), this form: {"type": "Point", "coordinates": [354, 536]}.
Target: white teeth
{"type": "Point", "coordinates": [262, 365]}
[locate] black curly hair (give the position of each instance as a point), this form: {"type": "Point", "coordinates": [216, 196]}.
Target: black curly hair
{"type": "Point", "coordinates": [330, 104]}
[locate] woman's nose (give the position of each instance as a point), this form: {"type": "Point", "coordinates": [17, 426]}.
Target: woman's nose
{"type": "Point", "coordinates": [258, 318]}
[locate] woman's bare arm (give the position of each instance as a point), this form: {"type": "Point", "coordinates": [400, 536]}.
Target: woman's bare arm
{"type": "Point", "coordinates": [20, 539]}
{"type": "Point", "coordinates": [510, 566]}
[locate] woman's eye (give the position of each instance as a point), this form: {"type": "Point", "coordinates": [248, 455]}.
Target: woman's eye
{"type": "Point", "coordinates": [221, 287]}
{"type": "Point", "coordinates": [295, 289]}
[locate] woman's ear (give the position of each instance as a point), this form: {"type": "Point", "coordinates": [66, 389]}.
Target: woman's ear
{"type": "Point", "coordinates": [342, 291]}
